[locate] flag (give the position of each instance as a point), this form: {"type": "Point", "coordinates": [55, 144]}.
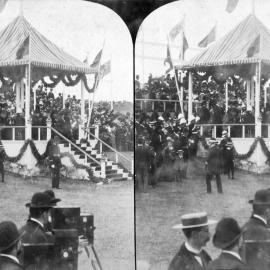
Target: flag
{"type": "Point", "coordinates": [23, 50]}
{"type": "Point", "coordinates": [96, 61]}
{"type": "Point", "coordinates": [184, 46]}
{"type": "Point", "coordinates": [231, 5]}
{"type": "Point", "coordinates": [211, 36]}
{"type": "Point", "coordinates": [254, 47]}
{"type": "Point", "coordinates": [176, 30]}
{"type": "Point", "coordinates": [2, 4]}
{"type": "Point", "coordinates": [105, 69]}
{"type": "Point", "coordinates": [168, 60]}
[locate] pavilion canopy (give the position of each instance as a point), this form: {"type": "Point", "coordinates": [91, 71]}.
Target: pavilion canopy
{"type": "Point", "coordinates": [20, 44]}
{"type": "Point", "coordinates": [247, 43]}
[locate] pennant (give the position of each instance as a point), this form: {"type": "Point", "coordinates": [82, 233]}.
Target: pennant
{"type": "Point", "coordinates": [231, 5]}
{"type": "Point", "coordinates": [96, 61]}
{"type": "Point", "coordinates": [168, 60]}
{"type": "Point", "coordinates": [254, 47]}
{"type": "Point", "coordinates": [184, 46]}
{"type": "Point", "coordinates": [2, 4]}
{"type": "Point", "coordinates": [23, 50]}
{"type": "Point", "coordinates": [105, 69]}
{"type": "Point", "coordinates": [176, 30]}
{"type": "Point", "coordinates": [210, 37]}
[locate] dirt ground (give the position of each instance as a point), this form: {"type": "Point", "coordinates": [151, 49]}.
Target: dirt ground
{"type": "Point", "coordinates": [112, 206]}
{"type": "Point", "coordinates": [160, 208]}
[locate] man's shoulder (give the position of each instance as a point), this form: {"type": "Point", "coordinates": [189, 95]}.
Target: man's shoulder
{"type": "Point", "coordinates": [8, 264]}
{"type": "Point", "coordinates": [255, 229]}
{"type": "Point", "coordinates": [226, 261]}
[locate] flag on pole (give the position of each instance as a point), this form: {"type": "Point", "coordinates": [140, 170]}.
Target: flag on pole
{"type": "Point", "coordinates": [231, 5]}
{"type": "Point", "coordinates": [254, 47]}
{"type": "Point", "coordinates": [176, 30]}
{"type": "Point", "coordinates": [23, 49]}
{"type": "Point", "coordinates": [2, 4]}
{"type": "Point", "coordinates": [184, 46]}
{"type": "Point", "coordinates": [210, 37]}
{"type": "Point", "coordinates": [168, 60]}
{"type": "Point", "coordinates": [105, 69]}
{"type": "Point", "coordinates": [96, 61]}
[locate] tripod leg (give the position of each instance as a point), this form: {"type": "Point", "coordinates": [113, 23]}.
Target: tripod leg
{"type": "Point", "coordinates": [93, 265]}
{"type": "Point", "coordinates": [96, 256]}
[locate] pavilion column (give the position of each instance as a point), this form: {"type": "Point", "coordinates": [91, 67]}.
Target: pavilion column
{"type": "Point", "coordinates": [248, 85]}
{"type": "Point", "coordinates": [28, 122]}
{"type": "Point", "coordinates": [182, 92]}
{"type": "Point", "coordinates": [190, 91]}
{"type": "Point", "coordinates": [258, 123]}
{"type": "Point", "coordinates": [81, 125]}
{"type": "Point", "coordinates": [22, 88]}
{"type": "Point", "coordinates": [18, 96]}
{"type": "Point", "coordinates": [252, 99]}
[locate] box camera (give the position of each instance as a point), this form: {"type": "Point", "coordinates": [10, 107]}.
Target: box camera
{"type": "Point", "coordinates": [86, 227]}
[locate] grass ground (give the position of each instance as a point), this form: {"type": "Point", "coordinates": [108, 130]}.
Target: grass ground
{"type": "Point", "coordinates": [160, 208]}
{"type": "Point", "coordinates": [112, 206]}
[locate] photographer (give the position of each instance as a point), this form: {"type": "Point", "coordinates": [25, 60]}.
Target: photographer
{"type": "Point", "coordinates": [9, 246]}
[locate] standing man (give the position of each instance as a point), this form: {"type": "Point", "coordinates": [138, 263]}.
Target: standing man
{"type": "Point", "coordinates": [9, 246]}
{"type": "Point", "coordinates": [55, 162]}
{"type": "Point", "coordinates": [191, 254]}
{"type": "Point", "coordinates": [227, 238]}
{"type": "Point", "coordinates": [213, 166]}
{"type": "Point", "coordinates": [256, 234]}
{"type": "Point", "coordinates": [2, 160]}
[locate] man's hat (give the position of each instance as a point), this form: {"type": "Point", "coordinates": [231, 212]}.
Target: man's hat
{"type": "Point", "coordinates": [194, 220]}
{"type": "Point", "coordinates": [183, 121]}
{"type": "Point", "coordinates": [41, 200]}
{"type": "Point", "coordinates": [262, 197]}
{"type": "Point", "coordinates": [52, 196]}
{"type": "Point", "coordinates": [227, 232]}
{"type": "Point", "coordinates": [9, 235]}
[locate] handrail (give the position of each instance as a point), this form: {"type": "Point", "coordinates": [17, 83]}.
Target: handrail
{"type": "Point", "coordinates": [164, 100]}
{"type": "Point", "coordinates": [114, 150]}
{"type": "Point", "coordinates": [73, 144]}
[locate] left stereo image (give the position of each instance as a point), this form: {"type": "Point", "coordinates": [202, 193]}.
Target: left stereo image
{"type": "Point", "coordinates": [66, 137]}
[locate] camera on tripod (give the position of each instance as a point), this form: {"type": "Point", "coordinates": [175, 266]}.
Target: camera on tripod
{"type": "Point", "coordinates": [67, 224]}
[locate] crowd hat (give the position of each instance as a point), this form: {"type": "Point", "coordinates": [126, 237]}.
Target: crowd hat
{"type": "Point", "coordinates": [9, 235]}
{"type": "Point", "coordinates": [192, 117]}
{"type": "Point", "coordinates": [52, 196]}
{"type": "Point", "coordinates": [224, 132]}
{"type": "Point", "coordinates": [262, 197]}
{"type": "Point", "coordinates": [183, 121]}
{"type": "Point", "coordinates": [197, 119]}
{"type": "Point", "coordinates": [41, 200]}
{"type": "Point", "coordinates": [180, 115]}
{"type": "Point", "coordinates": [194, 220]}
{"type": "Point", "coordinates": [227, 233]}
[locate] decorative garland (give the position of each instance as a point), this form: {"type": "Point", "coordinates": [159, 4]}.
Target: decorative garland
{"type": "Point", "coordinates": [41, 157]}
{"type": "Point", "coordinates": [250, 151]}
{"type": "Point", "coordinates": [68, 81]}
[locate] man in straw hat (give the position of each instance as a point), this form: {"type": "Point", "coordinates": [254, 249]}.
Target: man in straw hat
{"type": "Point", "coordinates": [213, 166]}
{"type": "Point", "coordinates": [9, 246]}
{"type": "Point", "coordinates": [191, 255]}
{"type": "Point", "coordinates": [256, 235]}
{"type": "Point", "coordinates": [227, 238]}
{"type": "Point", "coordinates": [35, 228]}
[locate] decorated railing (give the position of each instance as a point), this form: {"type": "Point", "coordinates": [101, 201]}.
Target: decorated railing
{"type": "Point", "coordinates": [101, 144]}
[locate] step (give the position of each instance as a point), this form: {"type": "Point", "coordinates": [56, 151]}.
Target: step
{"type": "Point", "coordinates": [114, 175]}
{"type": "Point", "coordinates": [119, 179]}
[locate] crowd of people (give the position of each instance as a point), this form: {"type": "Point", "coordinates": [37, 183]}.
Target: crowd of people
{"type": "Point", "coordinates": [115, 128]}
{"type": "Point", "coordinates": [164, 150]}
{"type": "Point", "coordinates": [208, 101]}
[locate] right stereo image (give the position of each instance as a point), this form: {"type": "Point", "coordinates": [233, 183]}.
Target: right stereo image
{"type": "Point", "coordinates": [202, 136]}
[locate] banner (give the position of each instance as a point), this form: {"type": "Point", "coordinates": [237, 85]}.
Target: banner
{"type": "Point", "coordinates": [231, 5]}
{"type": "Point", "coordinates": [211, 36]}
{"type": "Point", "coordinates": [254, 47]}
{"type": "Point", "coordinates": [176, 30]}
{"type": "Point", "coordinates": [168, 60]}
{"type": "Point", "coordinates": [23, 50]}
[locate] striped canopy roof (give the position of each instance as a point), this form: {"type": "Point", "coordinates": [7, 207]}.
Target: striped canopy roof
{"type": "Point", "coordinates": [19, 35]}
{"type": "Point", "coordinates": [232, 49]}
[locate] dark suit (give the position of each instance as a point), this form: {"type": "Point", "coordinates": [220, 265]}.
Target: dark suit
{"type": "Point", "coordinates": [185, 260]}
{"type": "Point", "coordinates": [226, 261]}
{"type": "Point", "coordinates": [257, 255]}
{"type": "Point", "coordinates": [9, 264]}
{"type": "Point", "coordinates": [213, 168]}
{"type": "Point", "coordinates": [55, 164]}
{"type": "Point", "coordinates": [35, 234]}
{"type": "Point", "coordinates": [2, 160]}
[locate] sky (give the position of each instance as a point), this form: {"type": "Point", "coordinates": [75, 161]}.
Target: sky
{"type": "Point", "coordinates": [80, 28]}
{"type": "Point", "coordinates": [200, 17]}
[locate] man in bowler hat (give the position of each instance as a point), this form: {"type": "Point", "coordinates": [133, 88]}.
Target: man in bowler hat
{"type": "Point", "coordinates": [191, 254]}
{"type": "Point", "coordinates": [35, 228]}
{"type": "Point", "coordinates": [9, 246]}
{"type": "Point", "coordinates": [256, 235]}
{"type": "Point", "coordinates": [213, 166]}
{"type": "Point", "coordinates": [227, 238]}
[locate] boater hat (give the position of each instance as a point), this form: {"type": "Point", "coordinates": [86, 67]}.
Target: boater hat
{"type": "Point", "coordinates": [227, 233]}
{"type": "Point", "coordinates": [262, 197]}
{"type": "Point", "coordinates": [194, 220]}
